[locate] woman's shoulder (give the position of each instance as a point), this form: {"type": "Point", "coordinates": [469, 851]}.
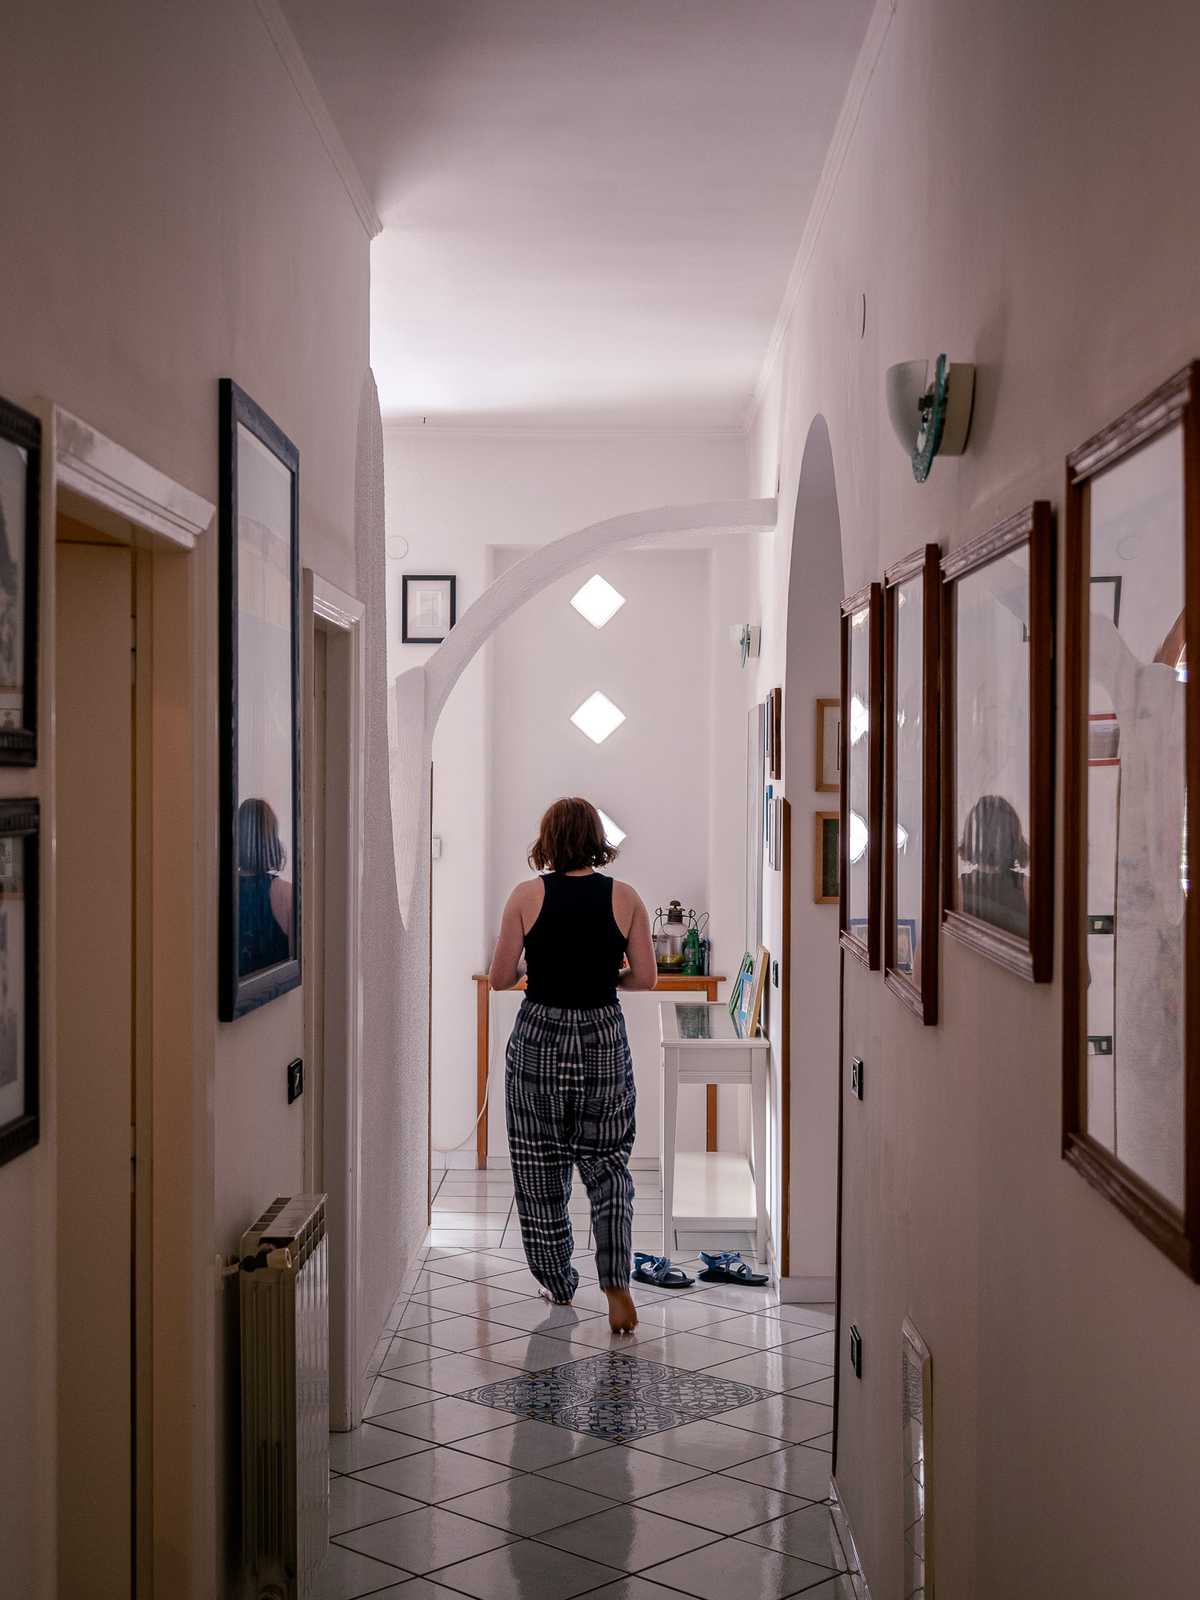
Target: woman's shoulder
{"type": "Point", "coordinates": [625, 892]}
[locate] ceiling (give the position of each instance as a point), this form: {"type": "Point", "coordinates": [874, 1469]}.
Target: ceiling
{"type": "Point", "coordinates": [590, 207]}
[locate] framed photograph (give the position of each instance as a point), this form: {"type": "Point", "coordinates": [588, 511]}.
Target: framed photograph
{"type": "Point", "coordinates": [19, 1008]}
{"type": "Point", "coordinates": [428, 608]}
{"type": "Point", "coordinates": [20, 479]}
{"type": "Point", "coordinates": [743, 976]}
{"type": "Point", "coordinates": [862, 766]}
{"type": "Point", "coordinates": [911, 627]}
{"type": "Point", "coordinates": [829, 746]}
{"type": "Point", "coordinates": [826, 857]}
{"type": "Point", "coordinates": [1131, 921]}
{"type": "Point", "coordinates": [260, 707]}
{"type": "Point", "coordinates": [916, 1434]}
{"type": "Point", "coordinates": [774, 712]}
{"type": "Point", "coordinates": [753, 978]}
{"type": "Point", "coordinates": [997, 715]}
{"type": "Point", "coordinates": [756, 823]}
{"type": "Point", "coordinates": [775, 834]}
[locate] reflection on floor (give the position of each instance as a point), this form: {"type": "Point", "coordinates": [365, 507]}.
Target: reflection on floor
{"type": "Point", "coordinates": [723, 1395]}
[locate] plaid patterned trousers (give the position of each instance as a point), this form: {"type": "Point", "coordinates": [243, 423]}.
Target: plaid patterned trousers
{"type": "Point", "coordinates": [569, 1101]}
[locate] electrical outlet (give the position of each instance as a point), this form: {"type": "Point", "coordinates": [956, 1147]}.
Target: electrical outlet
{"type": "Point", "coordinates": [856, 1077]}
{"type": "Point", "coordinates": [856, 1351]}
{"type": "Point", "coordinates": [295, 1079]}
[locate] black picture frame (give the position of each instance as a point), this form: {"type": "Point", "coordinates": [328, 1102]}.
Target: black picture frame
{"type": "Point", "coordinates": [406, 636]}
{"type": "Point", "coordinates": [18, 743]}
{"type": "Point", "coordinates": [239, 993]}
{"type": "Point", "coordinates": [20, 819]}
{"type": "Point", "coordinates": [859, 935]}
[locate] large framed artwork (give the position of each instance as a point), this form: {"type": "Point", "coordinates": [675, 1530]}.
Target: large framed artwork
{"type": "Point", "coordinates": [19, 1006]}
{"type": "Point", "coordinates": [997, 716]}
{"type": "Point", "coordinates": [862, 769]}
{"type": "Point", "coordinates": [911, 629]}
{"type": "Point", "coordinates": [20, 479]}
{"type": "Point", "coordinates": [260, 705]}
{"type": "Point", "coordinates": [1131, 940]}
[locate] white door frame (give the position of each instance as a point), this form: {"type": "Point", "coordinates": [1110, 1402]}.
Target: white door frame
{"type": "Point", "coordinates": [340, 1103]}
{"type": "Point", "coordinates": [117, 492]}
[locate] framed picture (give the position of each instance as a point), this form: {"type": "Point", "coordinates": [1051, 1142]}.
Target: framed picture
{"type": "Point", "coordinates": [743, 976]}
{"type": "Point", "coordinates": [774, 712]}
{"type": "Point", "coordinates": [19, 1008]}
{"type": "Point", "coordinates": [260, 707]}
{"type": "Point", "coordinates": [428, 608]}
{"type": "Point", "coordinates": [20, 479]}
{"type": "Point", "coordinates": [829, 746]}
{"type": "Point", "coordinates": [997, 702]}
{"type": "Point", "coordinates": [911, 626]}
{"type": "Point", "coordinates": [826, 857]}
{"type": "Point", "coordinates": [775, 834]}
{"type": "Point", "coordinates": [862, 766]}
{"type": "Point", "coordinates": [916, 1434]}
{"type": "Point", "coordinates": [753, 978]}
{"type": "Point", "coordinates": [1131, 921]}
{"type": "Point", "coordinates": [756, 823]}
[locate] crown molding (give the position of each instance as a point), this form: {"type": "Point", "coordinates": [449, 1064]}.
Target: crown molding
{"type": "Point", "coordinates": [313, 101]}
{"type": "Point", "coordinates": [510, 430]}
{"type": "Point", "coordinates": [831, 171]}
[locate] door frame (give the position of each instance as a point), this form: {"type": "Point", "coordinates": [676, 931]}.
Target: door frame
{"type": "Point", "coordinates": [174, 1332]}
{"type": "Point", "coordinates": [331, 609]}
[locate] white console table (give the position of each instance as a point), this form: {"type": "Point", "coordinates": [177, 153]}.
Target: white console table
{"type": "Point", "coordinates": [724, 1193]}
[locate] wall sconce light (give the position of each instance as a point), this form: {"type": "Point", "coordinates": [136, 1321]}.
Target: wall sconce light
{"type": "Point", "coordinates": [931, 419]}
{"type": "Point", "coordinates": [747, 636]}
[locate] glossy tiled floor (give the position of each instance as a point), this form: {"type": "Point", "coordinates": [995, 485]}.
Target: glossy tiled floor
{"type": "Point", "coordinates": [437, 1495]}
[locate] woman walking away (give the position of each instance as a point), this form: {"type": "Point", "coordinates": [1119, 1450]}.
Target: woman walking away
{"type": "Point", "coordinates": [569, 1092]}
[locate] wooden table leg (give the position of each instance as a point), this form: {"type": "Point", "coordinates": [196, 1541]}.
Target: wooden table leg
{"type": "Point", "coordinates": [710, 1106]}
{"type": "Point", "coordinates": [482, 1062]}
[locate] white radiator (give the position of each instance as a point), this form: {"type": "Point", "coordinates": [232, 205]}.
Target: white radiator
{"type": "Point", "coordinates": [285, 1397]}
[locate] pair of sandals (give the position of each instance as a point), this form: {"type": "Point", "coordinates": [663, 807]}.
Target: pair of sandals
{"type": "Point", "coordinates": [724, 1266]}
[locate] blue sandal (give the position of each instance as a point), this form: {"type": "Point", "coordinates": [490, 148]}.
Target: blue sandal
{"type": "Point", "coordinates": [727, 1266]}
{"type": "Point", "coordinates": [658, 1272]}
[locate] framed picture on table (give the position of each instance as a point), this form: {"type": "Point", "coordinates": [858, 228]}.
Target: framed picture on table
{"type": "Point", "coordinates": [1131, 741]}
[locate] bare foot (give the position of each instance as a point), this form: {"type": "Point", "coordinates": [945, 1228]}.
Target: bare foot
{"type": "Point", "coordinates": [622, 1313]}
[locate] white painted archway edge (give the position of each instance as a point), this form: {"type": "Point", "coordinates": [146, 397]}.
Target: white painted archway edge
{"type": "Point", "coordinates": [418, 695]}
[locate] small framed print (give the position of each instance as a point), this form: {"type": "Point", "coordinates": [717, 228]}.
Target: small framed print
{"type": "Point", "coordinates": [20, 477]}
{"type": "Point", "coordinates": [862, 766]}
{"type": "Point", "coordinates": [428, 608]}
{"type": "Point", "coordinates": [829, 746]}
{"type": "Point", "coordinates": [774, 704]}
{"type": "Point", "coordinates": [997, 716]}
{"type": "Point", "coordinates": [826, 857]}
{"type": "Point", "coordinates": [19, 932]}
{"type": "Point", "coordinates": [916, 1433]}
{"type": "Point", "coordinates": [775, 834]}
{"type": "Point", "coordinates": [911, 618]}
{"type": "Point", "coordinates": [1131, 742]}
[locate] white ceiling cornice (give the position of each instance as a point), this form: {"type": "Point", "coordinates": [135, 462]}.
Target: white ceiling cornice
{"type": "Point", "coordinates": [510, 430]}
{"type": "Point", "coordinates": [839, 145]}
{"type": "Point", "coordinates": [313, 101]}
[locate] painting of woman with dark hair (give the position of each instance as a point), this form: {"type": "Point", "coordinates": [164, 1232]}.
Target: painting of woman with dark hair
{"type": "Point", "coordinates": [264, 897]}
{"type": "Point", "coordinates": [996, 853]}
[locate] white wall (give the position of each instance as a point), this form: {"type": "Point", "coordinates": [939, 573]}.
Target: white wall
{"type": "Point", "coordinates": [172, 215]}
{"type": "Point", "coordinates": [993, 204]}
{"type": "Point", "coordinates": [452, 496]}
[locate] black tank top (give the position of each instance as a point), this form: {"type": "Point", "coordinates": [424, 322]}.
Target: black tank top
{"type": "Point", "coordinates": [573, 951]}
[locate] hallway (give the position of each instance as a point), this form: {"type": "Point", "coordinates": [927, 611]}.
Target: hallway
{"type": "Point", "coordinates": [722, 1486]}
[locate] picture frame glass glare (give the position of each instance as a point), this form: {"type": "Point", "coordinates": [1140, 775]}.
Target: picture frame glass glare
{"type": "Point", "coordinates": [858, 769]}
{"type": "Point", "coordinates": [1137, 873]}
{"type": "Point", "coordinates": [908, 754]}
{"type": "Point", "coordinates": [992, 809]}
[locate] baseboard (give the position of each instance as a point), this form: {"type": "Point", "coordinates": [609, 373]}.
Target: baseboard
{"type": "Point", "coordinates": [807, 1291]}
{"type": "Point", "coordinates": [443, 1160]}
{"type": "Point", "coordinates": [845, 1533]}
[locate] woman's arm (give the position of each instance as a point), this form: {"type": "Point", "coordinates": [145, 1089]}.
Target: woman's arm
{"type": "Point", "coordinates": [642, 972]}
{"type": "Point", "coordinates": [506, 963]}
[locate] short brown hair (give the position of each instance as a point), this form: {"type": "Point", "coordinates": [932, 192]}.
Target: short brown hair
{"type": "Point", "coordinates": [570, 837]}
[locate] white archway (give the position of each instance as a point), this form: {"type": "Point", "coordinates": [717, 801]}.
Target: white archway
{"type": "Point", "coordinates": [418, 695]}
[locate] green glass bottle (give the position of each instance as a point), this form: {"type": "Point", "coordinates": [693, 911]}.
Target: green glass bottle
{"type": "Point", "coordinates": [691, 953]}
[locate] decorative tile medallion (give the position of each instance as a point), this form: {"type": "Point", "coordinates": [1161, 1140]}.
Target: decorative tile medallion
{"type": "Point", "coordinates": [616, 1397]}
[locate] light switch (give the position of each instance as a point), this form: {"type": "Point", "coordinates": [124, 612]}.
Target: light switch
{"type": "Point", "coordinates": [856, 1077]}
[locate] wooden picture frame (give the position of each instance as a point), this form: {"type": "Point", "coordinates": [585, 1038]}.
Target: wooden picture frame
{"type": "Point", "coordinates": [827, 826]}
{"type": "Point", "coordinates": [1150, 454]}
{"type": "Point", "coordinates": [20, 1027]}
{"type": "Point", "coordinates": [752, 1009]}
{"type": "Point", "coordinates": [828, 742]}
{"type": "Point", "coordinates": [913, 981]}
{"type": "Point", "coordinates": [774, 705]}
{"type": "Point", "coordinates": [419, 632]}
{"type": "Point", "coordinates": [862, 772]}
{"type": "Point", "coordinates": [1002, 908]}
{"type": "Point", "coordinates": [20, 540]}
{"type": "Point", "coordinates": [917, 1461]}
{"type": "Point", "coordinates": [259, 605]}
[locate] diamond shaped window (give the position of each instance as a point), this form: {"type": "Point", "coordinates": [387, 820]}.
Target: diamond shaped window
{"type": "Point", "coordinates": [597, 717]}
{"type": "Point", "coordinates": [598, 601]}
{"type": "Point", "coordinates": [612, 834]}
